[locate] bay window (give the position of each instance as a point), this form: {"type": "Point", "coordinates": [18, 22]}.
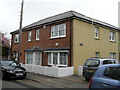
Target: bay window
{"type": "Point", "coordinates": [59, 59]}
{"type": "Point", "coordinates": [33, 58]}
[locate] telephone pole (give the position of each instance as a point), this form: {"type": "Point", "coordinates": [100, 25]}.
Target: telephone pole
{"type": "Point", "coordinates": [20, 30]}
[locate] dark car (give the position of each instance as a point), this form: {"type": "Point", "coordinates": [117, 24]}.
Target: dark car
{"type": "Point", "coordinates": [107, 76]}
{"type": "Point", "coordinates": [92, 64]}
{"type": "Point", "coordinates": [12, 69]}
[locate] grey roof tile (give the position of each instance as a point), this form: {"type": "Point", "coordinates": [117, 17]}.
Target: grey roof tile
{"type": "Point", "coordinates": [65, 15]}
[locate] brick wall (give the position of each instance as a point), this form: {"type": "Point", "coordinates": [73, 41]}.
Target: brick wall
{"type": "Point", "coordinates": [44, 42]}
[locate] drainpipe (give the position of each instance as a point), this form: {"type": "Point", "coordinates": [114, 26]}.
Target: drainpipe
{"type": "Point", "coordinates": [71, 41]}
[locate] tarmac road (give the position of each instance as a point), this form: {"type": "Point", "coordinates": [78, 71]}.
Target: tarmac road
{"type": "Point", "coordinates": [24, 83]}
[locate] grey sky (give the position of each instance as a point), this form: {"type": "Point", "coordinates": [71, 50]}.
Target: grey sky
{"type": "Point", "coordinates": [34, 10]}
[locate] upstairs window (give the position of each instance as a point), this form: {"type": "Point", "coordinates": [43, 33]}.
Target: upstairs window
{"type": "Point", "coordinates": [16, 38]}
{"type": "Point", "coordinates": [96, 32]}
{"type": "Point", "coordinates": [58, 31]}
{"type": "Point", "coordinates": [37, 34]}
{"type": "Point", "coordinates": [112, 36]}
{"type": "Point", "coordinates": [29, 35]}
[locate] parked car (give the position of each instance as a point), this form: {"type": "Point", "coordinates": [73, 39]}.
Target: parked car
{"type": "Point", "coordinates": [92, 64]}
{"type": "Point", "coordinates": [107, 76]}
{"type": "Point", "coordinates": [12, 69]}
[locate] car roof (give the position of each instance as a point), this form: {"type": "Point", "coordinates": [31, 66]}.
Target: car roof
{"type": "Point", "coordinates": [110, 65]}
{"type": "Point", "coordinates": [102, 59]}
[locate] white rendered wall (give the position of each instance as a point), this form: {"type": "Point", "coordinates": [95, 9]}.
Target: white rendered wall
{"type": "Point", "coordinates": [49, 71]}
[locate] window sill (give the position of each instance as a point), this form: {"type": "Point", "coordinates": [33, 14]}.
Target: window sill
{"type": "Point", "coordinates": [97, 38]}
{"type": "Point", "coordinates": [37, 40]}
{"type": "Point", "coordinates": [15, 42]}
{"type": "Point", "coordinates": [113, 41]}
{"type": "Point", "coordinates": [58, 65]}
{"type": "Point", "coordinates": [57, 37]}
{"type": "Point", "coordinates": [28, 41]}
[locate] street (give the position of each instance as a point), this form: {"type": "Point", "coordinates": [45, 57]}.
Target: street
{"type": "Point", "coordinates": [46, 83]}
{"type": "Point", "coordinates": [25, 83]}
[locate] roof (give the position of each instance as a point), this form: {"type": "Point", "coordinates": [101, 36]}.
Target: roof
{"type": "Point", "coordinates": [65, 16]}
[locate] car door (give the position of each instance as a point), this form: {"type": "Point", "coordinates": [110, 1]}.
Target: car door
{"type": "Point", "coordinates": [111, 77]}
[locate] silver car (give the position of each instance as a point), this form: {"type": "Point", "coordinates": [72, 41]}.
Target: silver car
{"type": "Point", "coordinates": [92, 64]}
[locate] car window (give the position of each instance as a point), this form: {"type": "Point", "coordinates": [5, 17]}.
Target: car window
{"type": "Point", "coordinates": [109, 62]}
{"type": "Point", "coordinates": [13, 64]}
{"type": "Point", "coordinates": [92, 62]}
{"type": "Point", "coordinates": [8, 63]}
{"type": "Point", "coordinates": [113, 72]}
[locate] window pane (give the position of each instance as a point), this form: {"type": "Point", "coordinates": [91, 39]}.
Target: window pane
{"type": "Point", "coordinates": [113, 55]}
{"type": "Point", "coordinates": [97, 54]}
{"type": "Point", "coordinates": [61, 32]}
{"type": "Point", "coordinates": [29, 36]}
{"type": "Point", "coordinates": [49, 58]}
{"type": "Point", "coordinates": [96, 32]}
{"type": "Point", "coordinates": [63, 58]}
{"type": "Point", "coordinates": [37, 34]}
{"type": "Point", "coordinates": [61, 26]}
{"type": "Point", "coordinates": [29, 58]}
{"type": "Point", "coordinates": [55, 58]}
{"type": "Point", "coordinates": [16, 39]}
{"type": "Point", "coordinates": [37, 58]}
{"type": "Point", "coordinates": [112, 72]}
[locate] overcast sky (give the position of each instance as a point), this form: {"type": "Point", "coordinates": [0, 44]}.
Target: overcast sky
{"type": "Point", "coordinates": [35, 10]}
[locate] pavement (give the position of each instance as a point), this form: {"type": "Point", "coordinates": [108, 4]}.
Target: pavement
{"type": "Point", "coordinates": [73, 81]}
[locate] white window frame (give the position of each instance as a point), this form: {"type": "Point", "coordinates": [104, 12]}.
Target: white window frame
{"type": "Point", "coordinates": [97, 54]}
{"type": "Point", "coordinates": [58, 59]}
{"type": "Point", "coordinates": [53, 30]}
{"type": "Point", "coordinates": [37, 34]}
{"type": "Point", "coordinates": [113, 55]}
{"type": "Point", "coordinates": [29, 36]}
{"type": "Point", "coordinates": [97, 32]}
{"type": "Point", "coordinates": [16, 38]}
{"type": "Point", "coordinates": [112, 36]}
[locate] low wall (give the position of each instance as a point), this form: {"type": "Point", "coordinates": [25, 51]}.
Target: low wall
{"type": "Point", "coordinates": [49, 71]}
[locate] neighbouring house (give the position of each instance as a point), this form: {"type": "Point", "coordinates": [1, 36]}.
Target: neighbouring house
{"type": "Point", "coordinates": [4, 46]}
{"type": "Point", "coordinates": [63, 41]}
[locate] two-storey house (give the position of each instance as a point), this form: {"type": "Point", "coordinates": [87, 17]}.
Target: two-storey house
{"type": "Point", "coordinates": [66, 40]}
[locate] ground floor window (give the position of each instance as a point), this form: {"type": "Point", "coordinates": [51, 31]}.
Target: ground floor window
{"type": "Point", "coordinates": [113, 55]}
{"type": "Point", "coordinates": [97, 54]}
{"type": "Point", "coordinates": [29, 58]}
{"type": "Point", "coordinates": [59, 59]}
{"type": "Point", "coordinates": [33, 58]}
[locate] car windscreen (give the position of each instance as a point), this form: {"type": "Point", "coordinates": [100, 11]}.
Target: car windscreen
{"type": "Point", "coordinates": [92, 62]}
{"type": "Point", "coordinates": [8, 63]}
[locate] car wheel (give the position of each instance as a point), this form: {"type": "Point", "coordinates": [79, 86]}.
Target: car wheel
{"type": "Point", "coordinates": [87, 79]}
